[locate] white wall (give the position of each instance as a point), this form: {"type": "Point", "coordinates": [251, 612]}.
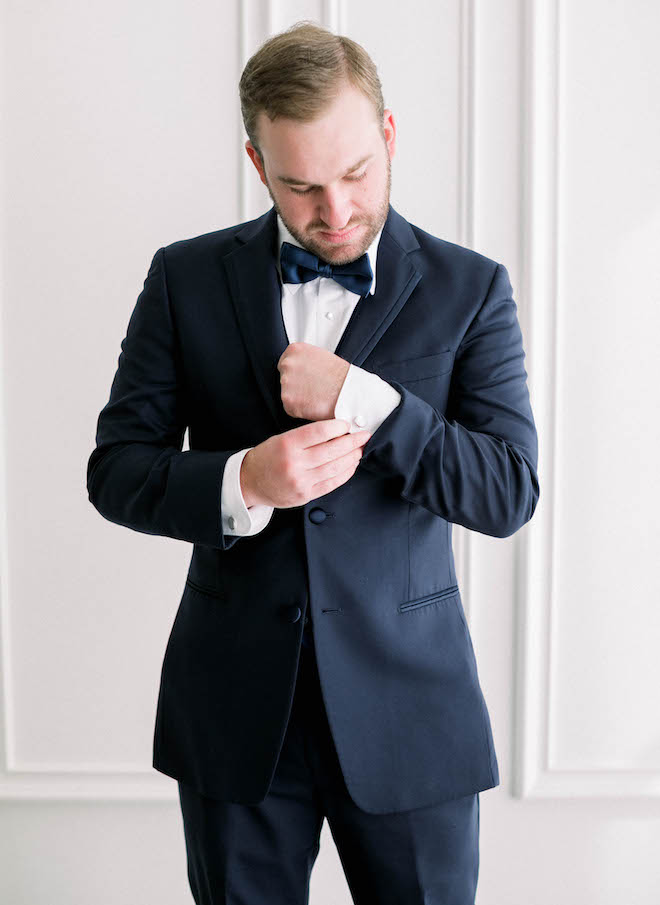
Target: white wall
{"type": "Point", "coordinates": [526, 130]}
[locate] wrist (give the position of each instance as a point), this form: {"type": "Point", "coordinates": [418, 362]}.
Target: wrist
{"type": "Point", "coordinates": [249, 497]}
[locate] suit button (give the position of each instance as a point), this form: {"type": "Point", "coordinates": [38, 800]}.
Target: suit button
{"type": "Point", "coordinates": [317, 515]}
{"type": "Point", "coordinates": [291, 613]}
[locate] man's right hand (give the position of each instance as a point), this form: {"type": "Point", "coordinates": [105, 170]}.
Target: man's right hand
{"type": "Point", "coordinates": [294, 467]}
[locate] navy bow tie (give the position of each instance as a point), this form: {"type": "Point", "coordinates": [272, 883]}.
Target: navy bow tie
{"type": "Point", "coordinates": [299, 265]}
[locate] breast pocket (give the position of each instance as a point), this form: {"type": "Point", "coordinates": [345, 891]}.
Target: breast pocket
{"type": "Point", "coordinates": [411, 369]}
{"type": "Point", "coordinates": [427, 599]}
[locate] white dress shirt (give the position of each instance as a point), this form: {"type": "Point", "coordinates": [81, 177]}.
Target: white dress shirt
{"type": "Point", "coordinates": [315, 312]}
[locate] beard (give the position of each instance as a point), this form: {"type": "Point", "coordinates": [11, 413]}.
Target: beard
{"type": "Point", "coordinates": [338, 254]}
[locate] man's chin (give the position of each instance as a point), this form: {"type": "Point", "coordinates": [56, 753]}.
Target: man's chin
{"type": "Point", "coordinates": [339, 256]}
{"type": "Point", "coordinates": [334, 251]}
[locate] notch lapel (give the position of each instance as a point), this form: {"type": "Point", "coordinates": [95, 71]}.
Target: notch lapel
{"type": "Point", "coordinates": [256, 295]}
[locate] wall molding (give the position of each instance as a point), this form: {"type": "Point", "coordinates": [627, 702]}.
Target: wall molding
{"type": "Point", "coordinates": [535, 775]}
{"type": "Point", "coordinates": [134, 782]}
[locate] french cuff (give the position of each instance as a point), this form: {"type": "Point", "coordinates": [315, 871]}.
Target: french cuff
{"type": "Point", "coordinates": [236, 517]}
{"type": "Point", "coordinates": [365, 400]}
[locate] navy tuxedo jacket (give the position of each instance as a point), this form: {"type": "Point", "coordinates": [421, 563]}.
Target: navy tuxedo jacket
{"type": "Point", "coordinates": [372, 561]}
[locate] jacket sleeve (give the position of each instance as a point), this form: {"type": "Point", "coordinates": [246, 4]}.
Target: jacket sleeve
{"type": "Point", "coordinates": [475, 465]}
{"type": "Point", "coordinates": [138, 475]}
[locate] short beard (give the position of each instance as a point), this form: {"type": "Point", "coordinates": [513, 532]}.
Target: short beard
{"type": "Point", "coordinates": [375, 225]}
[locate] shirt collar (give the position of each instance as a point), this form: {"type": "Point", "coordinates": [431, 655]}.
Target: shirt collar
{"type": "Point", "coordinates": [285, 236]}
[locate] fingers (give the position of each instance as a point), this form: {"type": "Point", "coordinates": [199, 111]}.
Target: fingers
{"type": "Point", "coordinates": [337, 454]}
{"type": "Point", "coordinates": [328, 483]}
{"type": "Point", "coordinates": [320, 431]}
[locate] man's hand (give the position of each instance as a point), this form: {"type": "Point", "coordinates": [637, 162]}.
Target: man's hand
{"type": "Point", "coordinates": [311, 379]}
{"type": "Point", "coordinates": [294, 467]}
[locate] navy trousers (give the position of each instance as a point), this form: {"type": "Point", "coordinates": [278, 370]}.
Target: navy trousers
{"type": "Point", "coordinates": [263, 854]}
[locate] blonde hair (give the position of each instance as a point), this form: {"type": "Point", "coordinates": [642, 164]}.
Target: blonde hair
{"type": "Point", "coordinates": [299, 72]}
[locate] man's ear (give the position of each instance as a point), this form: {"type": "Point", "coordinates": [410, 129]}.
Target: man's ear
{"type": "Point", "coordinates": [389, 130]}
{"type": "Point", "coordinates": [256, 160]}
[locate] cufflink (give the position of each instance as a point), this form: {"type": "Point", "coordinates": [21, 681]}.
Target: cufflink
{"type": "Point", "coordinates": [231, 521]}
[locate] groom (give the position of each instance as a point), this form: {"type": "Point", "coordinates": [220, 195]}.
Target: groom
{"type": "Point", "coordinates": [353, 386]}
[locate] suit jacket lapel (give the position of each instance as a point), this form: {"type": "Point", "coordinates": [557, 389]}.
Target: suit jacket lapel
{"type": "Point", "coordinates": [396, 277]}
{"type": "Point", "coordinates": [256, 296]}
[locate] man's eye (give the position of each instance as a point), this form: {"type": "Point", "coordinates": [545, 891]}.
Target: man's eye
{"type": "Point", "coordinates": [350, 179]}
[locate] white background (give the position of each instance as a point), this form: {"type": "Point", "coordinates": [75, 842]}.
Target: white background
{"type": "Point", "coordinates": [526, 130]}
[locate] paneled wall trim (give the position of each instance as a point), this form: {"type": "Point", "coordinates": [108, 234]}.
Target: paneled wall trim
{"type": "Point", "coordinates": [536, 774]}
{"type": "Point", "coordinates": [21, 780]}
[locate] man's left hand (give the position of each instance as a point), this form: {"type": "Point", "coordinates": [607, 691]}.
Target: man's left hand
{"type": "Point", "coordinates": [311, 379]}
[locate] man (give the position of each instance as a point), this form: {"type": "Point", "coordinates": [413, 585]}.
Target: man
{"type": "Point", "coordinates": [352, 387]}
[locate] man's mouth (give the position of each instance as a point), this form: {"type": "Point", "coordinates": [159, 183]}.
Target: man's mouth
{"type": "Point", "coordinates": [340, 237]}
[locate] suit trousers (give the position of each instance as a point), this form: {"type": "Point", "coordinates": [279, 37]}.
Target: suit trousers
{"type": "Point", "coordinates": [263, 854]}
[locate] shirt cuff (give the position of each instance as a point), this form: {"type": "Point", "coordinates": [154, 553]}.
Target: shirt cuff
{"type": "Point", "coordinates": [365, 400]}
{"type": "Point", "coordinates": [237, 518]}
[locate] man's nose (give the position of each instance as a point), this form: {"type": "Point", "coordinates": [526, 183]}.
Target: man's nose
{"type": "Point", "coordinates": [335, 209]}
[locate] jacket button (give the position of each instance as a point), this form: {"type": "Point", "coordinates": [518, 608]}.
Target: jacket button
{"type": "Point", "coordinates": [317, 515]}
{"type": "Point", "coordinates": [291, 613]}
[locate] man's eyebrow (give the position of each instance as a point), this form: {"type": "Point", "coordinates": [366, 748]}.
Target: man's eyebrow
{"type": "Point", "coordinates": [356, 166]}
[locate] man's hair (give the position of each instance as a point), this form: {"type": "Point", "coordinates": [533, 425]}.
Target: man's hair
{"type": "Point", "coordinates": [299, 72]}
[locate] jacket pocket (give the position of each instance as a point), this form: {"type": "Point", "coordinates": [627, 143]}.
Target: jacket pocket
{"type": "Point", "coordinates": [204, 589]}
{"type": "Point", "coordinates": [428, 598]}
{"type": "Point", "coordinates": [417, 368]}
